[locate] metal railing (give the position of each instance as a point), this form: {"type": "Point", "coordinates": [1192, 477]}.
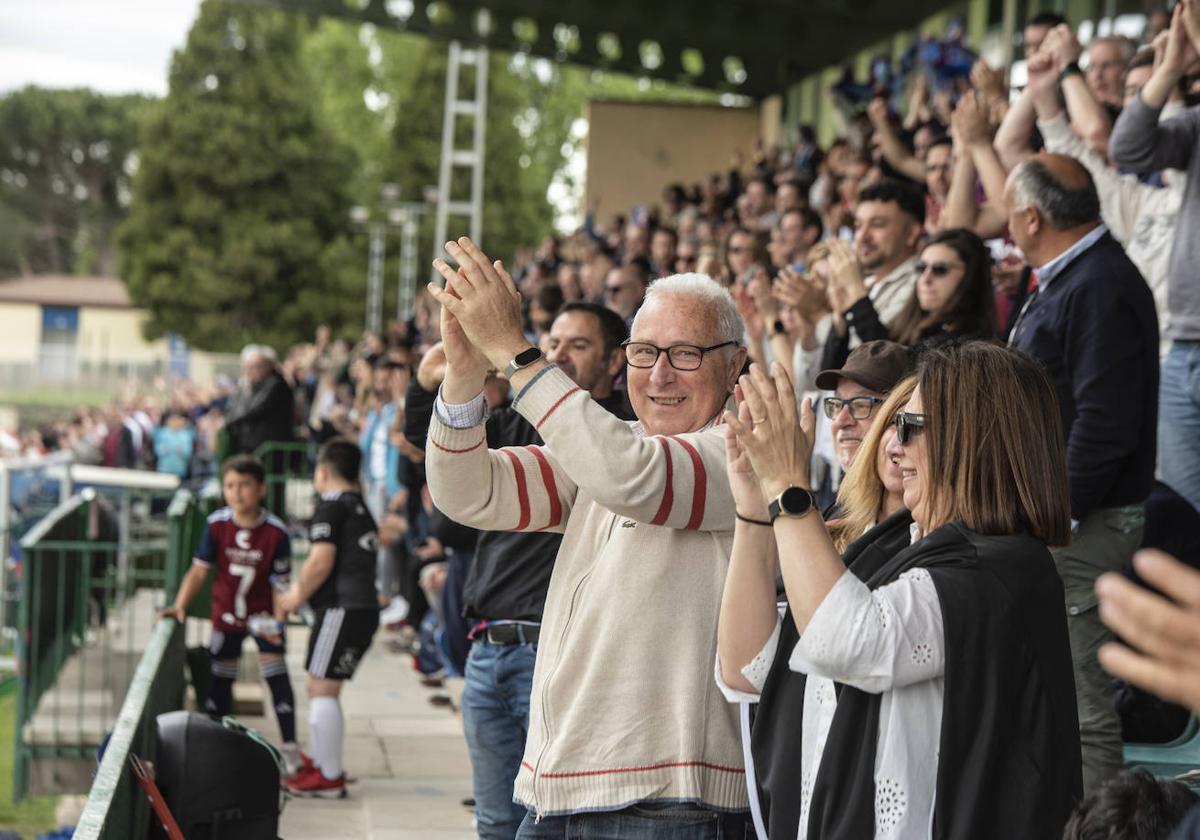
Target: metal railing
{"type": "Point", "coordinates": [87, 600]}
{"type": "Point", "coordinates": [289, 469]}
{"type": "Point", "coordinates": [29, 489]}
{"type": "Point", "coordinates": [116, 809]}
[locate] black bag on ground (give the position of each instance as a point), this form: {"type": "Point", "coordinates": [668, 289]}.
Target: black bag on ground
{"type": "Point", "coordinates": [220, 780]}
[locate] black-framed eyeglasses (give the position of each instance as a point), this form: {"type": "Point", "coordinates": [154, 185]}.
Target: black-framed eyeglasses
{"type": "Point", "coordinates": [937, 269]}
{"type": "Point", "coordinates": [907, 426]}
{"type": "Point", "coordinates": [860, 407]}
{"type": "Point", "coordinates": [643, 354]}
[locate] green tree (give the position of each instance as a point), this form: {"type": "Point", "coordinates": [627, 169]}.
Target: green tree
{"type": "Point", "coordinates": [239, 224]}
{"type": "Point", "coordinates": [65, 158]}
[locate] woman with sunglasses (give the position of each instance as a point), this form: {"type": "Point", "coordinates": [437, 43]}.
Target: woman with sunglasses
{"type": "Point", "coordinates": [953, 297]}
{"type": "Point", "coordinates": [938, 698]}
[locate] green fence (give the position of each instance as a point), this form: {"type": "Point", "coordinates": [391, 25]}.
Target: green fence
{"type": "Point", "coordinates": [116, 809]}
{"type": "Point", "coordinates": [86, 613]}
{"type": "Point", "coordinates": [289, 475]}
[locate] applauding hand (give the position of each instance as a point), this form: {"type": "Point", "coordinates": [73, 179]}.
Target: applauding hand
{"type": "Point", "coordinates": [481, 297]}
{"type": "Point", "coordinates": [778, 444]}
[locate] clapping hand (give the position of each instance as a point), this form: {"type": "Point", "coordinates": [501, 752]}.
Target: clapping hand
{"type": "Point", "coordinates": [778, 444]}
{"type": "Point", "coordinates": [846, 285]}
{"type": "Point", "coordinates": [1163, 633]}
{"type": "Point", "coordinates": [482, 298]}
{"type": "Point", "coordinates": [806, 296]}
{"type": "Point", "coordinates": [970, 122]}
{"type": "Point", "coordinates": [748, 498]}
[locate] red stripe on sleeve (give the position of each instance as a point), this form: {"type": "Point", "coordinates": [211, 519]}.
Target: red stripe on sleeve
{"type": "Point", "coordinates": [700, 491]}
{"type": "Point", "coordinates": [664, 509]}
{"type": "Point", "coordinates": [551, 487]}
{"type": "Point", "coordinates": [522, 489]}
{"type": "Point", "coordinates": [554, 407]}
{"type": "Point", "coordinates": [456, 451]}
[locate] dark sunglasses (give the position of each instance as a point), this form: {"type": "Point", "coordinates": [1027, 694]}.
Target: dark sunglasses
{"type": "Point", "coordinates": [937, 269]}
{"type": "Point", "coordinates": [907, 426]}
{"type": "Point", "coordinates": [739, 249]}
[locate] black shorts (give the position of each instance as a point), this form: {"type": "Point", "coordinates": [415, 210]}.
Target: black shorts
{"type": "Point", "coordinates": [226, 644]}
{"type": "Point", "coordinates": [338, 641]}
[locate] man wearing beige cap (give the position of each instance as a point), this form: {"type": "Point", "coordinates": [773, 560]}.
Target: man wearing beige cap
{"type": "Point", "coordinates": [860, 386]}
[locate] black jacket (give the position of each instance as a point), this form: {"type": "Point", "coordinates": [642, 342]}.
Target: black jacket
{"type": "Point", "coordinates": [1095, 330]}
{"type": "Point", "coordinates": [1008, 753]}
{"type": "Point", "coordinates": [511, 572]}
{"type": "Point", "coordinates": [265, 415]}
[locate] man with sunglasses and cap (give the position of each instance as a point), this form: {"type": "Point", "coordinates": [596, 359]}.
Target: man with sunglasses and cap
{"type": "Point", "coordinates": [857, 388]}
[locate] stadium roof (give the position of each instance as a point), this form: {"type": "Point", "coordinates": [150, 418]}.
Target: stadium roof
{"type": "Point", "coordinates": [752, 47]}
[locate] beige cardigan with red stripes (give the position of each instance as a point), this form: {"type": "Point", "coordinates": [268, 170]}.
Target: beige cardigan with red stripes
{"type": "Point", "coordinates": [624, 706]}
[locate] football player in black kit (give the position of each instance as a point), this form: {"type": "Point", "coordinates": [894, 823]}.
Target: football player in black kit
{"type": "Point", "coordinates": [338, 582]}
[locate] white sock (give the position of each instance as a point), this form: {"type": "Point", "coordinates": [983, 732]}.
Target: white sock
{"type": "Point", "coordinates": [325, 735]}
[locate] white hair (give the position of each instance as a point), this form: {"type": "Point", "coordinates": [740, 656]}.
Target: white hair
{"type": "Point", "coordinates": [258, 351]}
{"type": "Point", "coordinates": [702, 289]}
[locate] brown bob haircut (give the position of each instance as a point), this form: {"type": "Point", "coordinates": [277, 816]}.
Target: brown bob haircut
{"type": "Point", "coordinates": [995, 443]}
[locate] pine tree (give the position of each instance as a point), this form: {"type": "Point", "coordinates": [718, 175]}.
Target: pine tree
{"type": "Point", "coordinates": [238, 230]}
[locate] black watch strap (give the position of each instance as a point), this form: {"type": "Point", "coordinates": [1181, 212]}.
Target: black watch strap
{"type": "Point", "coordinates": [1071, 69]}
{"type": "Point", "coordinates": [794, 501]}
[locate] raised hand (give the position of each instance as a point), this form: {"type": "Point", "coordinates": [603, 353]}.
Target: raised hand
{"type": "Point", "coordinates": [778, 443]}
{"type": "Point", "coordinates": [846, 285]}
{"type": "Point", "coordinates": [747, 494]}
{"type": "Point", "coordinates": [1163, 633]}
{"type": "Point", "coordinates": [989, 82]}
{"type": "Point", "coordinates": [806, 296]}
{"type": "Point", "coordinates": [1042, 76]}
{"type": "Point", "coordinates": [971, 123]}
{"type": "Point", "coordinates": [482, 299]}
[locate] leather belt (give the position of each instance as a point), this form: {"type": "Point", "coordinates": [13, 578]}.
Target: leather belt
{"type": "Point", "coordinates": [513, 634]}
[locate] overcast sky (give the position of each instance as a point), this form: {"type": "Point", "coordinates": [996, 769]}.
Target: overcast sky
{"type": "Point", "coordinates": [114, 46]}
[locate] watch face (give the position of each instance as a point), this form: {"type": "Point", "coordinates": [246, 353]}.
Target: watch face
{"type": "Point", "coordinates": [795, 501]}
{"type": "Point", "coordinates": [528, 357]}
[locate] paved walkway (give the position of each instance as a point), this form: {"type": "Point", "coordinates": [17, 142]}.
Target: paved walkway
{"type": "Point", "coordinates": [409, 757]}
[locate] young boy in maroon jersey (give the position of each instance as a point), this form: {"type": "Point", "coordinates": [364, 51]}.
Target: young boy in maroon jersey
{"type": "Point", "coordinates": [252, 553]}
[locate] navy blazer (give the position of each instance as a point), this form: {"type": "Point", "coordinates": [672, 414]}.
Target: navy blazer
{"type": "Point", "coordinates": [1095, 330]}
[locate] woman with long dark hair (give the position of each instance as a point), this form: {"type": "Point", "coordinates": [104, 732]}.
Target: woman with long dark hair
{"type": "Point", "coordinates": [937, 697]}
{"type": "Point", "coordinates": [953, 297]}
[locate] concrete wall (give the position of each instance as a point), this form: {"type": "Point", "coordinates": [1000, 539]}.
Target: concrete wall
{"type": "Point", "coordinates": [635, 149]}
{"type": "Point", "coordinates": [109, 335]}
{"type": "Point", "coordinates": [20, 332]}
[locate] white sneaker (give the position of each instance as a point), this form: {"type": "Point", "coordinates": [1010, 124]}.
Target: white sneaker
{"type": "Point", "coordinates": [292, 759]}
{"type": "Point", "coordinates": [394, 612]}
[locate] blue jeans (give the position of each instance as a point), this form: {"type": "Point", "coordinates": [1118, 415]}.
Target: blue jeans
{"type": "Point", "coordinates": [1179, 420]}
{"type": "Point", "coordinates": [495, 709]}
{"type": "Point", "coordinates": [654, 820]}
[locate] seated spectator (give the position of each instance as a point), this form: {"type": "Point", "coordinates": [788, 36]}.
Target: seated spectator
{"type": "Point", "coordinates": [953, 298]}
{"type": "Point", "coordinates": [934, 679]}
{"type": "Point", "coordinates": [1131, 806]}
{"type": "Point", "coordinates": [662, 251]}
{"type": "Point", "coordinates": [625, 288]}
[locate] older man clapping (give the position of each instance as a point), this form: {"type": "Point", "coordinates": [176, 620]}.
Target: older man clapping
{"type": "Point", "coordinates": [627, 731]}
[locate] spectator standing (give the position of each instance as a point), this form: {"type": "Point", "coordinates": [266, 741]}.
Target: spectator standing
{"type": "Point", "coordinates": [174, 443]}
{"type": "Point", "coordinates": [1140, 141]}
{"type": "Point", "coordinates": [263, 411]}
{"type": "Point", "coordinates": [646, 747]}
{"type": "Point", "coordinates": [1091, 323]}
{"type": "Point", "coordinates": [505, 591]}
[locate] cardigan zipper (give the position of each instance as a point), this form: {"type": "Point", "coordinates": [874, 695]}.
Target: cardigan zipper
{"type": "Point", "coordinates": [539, 813]}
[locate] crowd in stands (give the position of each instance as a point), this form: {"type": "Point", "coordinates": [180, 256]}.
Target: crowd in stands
{"type": "Point", "coordinates": [992, 297]}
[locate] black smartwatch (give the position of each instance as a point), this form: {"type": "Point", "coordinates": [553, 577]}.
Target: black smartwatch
{"type": "Point", "coordinates": [1071, 69]}
{"type": "Point", "coordinates": [776, 329]}
{"type": "Point", "coordinates": [794, 501]}
{"type": "Point", "coordinates": [522, 360]}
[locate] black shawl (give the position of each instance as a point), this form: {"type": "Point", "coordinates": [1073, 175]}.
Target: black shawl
{"type": "Point", "coordinates": [1008, 763]}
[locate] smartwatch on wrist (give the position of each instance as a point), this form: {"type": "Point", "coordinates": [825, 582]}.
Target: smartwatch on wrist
{"type": "Point", "coordinates": [776, 329]}
{"type": "Point", "coordinates": [1071, 69]}
{"type": "Point", "coordinates": [794, 502]}
{"type": "Point", "coordinates": [522, 360]}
